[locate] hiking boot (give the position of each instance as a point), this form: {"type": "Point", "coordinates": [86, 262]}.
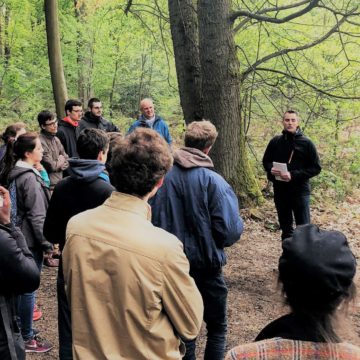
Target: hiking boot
{"type": "Point", "coordinates": [37, 345]}
{"type": "Point", "coordinates": [37, 314]}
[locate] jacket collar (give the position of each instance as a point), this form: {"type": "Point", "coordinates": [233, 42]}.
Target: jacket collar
{"type": "Point", "coordinates": [129, 203]}
{"type": "Point", "coordinates": [68, 122]}
{"type": "Point", "coordinates": [143, 119]}
{"type": "Point", "coordinates": [89, 117]}
{"type": "Point", "coordinates": [47, 134]}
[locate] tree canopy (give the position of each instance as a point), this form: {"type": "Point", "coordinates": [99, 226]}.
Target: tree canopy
{"type": "Point", "coordinates": [287, 54]}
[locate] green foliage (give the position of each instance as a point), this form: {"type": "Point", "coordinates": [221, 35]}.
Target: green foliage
{"type": "Point", "coordinates": [123, 57]}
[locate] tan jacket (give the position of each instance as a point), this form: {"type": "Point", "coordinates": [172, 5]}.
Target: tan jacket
{"type": "Point", "coordinates": [128, 284]}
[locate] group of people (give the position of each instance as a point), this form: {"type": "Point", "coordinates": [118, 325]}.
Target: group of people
{"type": "Point", "coordinates": [142, 230]}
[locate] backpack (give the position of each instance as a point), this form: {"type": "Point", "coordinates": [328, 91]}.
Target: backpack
{"type": "Point", "coordinates": [14, 218]}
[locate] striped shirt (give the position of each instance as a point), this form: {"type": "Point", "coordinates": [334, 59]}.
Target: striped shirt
{"type": "Point", "coordinates": [283, 349]}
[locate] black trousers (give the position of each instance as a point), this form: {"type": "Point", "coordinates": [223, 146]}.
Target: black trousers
{"type": "Point", "coordinates": [290, 205]}
{"type": "Point", "coordinates": [64, 321]}
{"type": "Point", "coordinates": [213, 290]}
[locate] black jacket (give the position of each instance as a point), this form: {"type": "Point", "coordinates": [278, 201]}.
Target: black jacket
{"type": "Point", "coordinates": [300, 155]}
{"type": "Point", "coordinates": [91, 121]}
{"type": "Point", "coordinates": [292, 327]}
{"type": "Point", "coordinates": [67, 135]}
{"type": "Point", "coordinates": [73, 195]}
{"type": "Point", "coordinates": [18, 274]}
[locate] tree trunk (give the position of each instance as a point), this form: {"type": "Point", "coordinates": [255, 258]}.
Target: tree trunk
{"type": "Point", "coordinates": [220, 89]}
{"type": "Point", "coordinates": [184, 31]}
{"type": "Point", "coordinates": [7, 50]}
{"type": "Point", "coordinates": [79, 54]}
{"type": "Point", "coordinates": [1, 30]}
{"type": "Point", "coordinates": [55, 58]}
{"type": "Point", "coordinates": [111, 96]}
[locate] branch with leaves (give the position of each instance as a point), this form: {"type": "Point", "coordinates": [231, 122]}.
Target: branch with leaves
{"type": "Point", "coordinates": [282, 52]}
{"type": "Point", "coordinates": [258, 16]}
{"type": "Point", "coordinates": [308, 83]}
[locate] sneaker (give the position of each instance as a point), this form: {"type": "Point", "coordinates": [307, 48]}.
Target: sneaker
{"type": "Point", "coordinates": [50, 262]}
{"type": "Point", "coordinates": [37, 345]}
{"type": "Point", "coordinates": [37, 314]}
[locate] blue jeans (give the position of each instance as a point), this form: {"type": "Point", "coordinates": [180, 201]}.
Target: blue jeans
{"type": "Point", "coordinates": [64, 319]}
{"type": "Point", "coordinates": [290, 206]}
{"type": "Point", "coordinates": [27, 302]}
{"type": "Point", "coordinates": [213, 290]}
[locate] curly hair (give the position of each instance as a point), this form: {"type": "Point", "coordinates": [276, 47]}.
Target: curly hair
{"type": "Point", "coordinates": [139, 161]}
{"type": "Point", "coordinates": [200, 134]}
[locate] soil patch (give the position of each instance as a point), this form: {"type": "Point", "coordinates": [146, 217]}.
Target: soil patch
{"type": "Point", "coordinates": [251, 275]}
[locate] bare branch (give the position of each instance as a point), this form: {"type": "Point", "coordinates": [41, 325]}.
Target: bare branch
{"type": "Point", "coordinates": [309, 84]}
{"type": "Point", "coordinates": [312, 4]}
{"type": "Point", "coordinates": [298, 48]}
{"type": "Point", "coordinates": [128, 6]}
{"type": "Point", "coordinates": [265, 11]}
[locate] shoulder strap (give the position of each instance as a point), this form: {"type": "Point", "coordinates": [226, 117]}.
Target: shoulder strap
{"type": "Point", "coordinates": [13, 197]}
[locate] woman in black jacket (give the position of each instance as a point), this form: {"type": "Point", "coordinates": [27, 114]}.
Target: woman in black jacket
{"type": "Point", "coordinates": [30, 197]}
{"type": "Point", "coordinates": [18, 274]}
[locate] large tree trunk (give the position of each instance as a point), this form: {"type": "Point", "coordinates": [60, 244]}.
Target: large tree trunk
{"type": "Point", "coordinates": [79, 53]}
{"type": "Point", "coordinates": [184, 31]}
{"type": "Point", "coordinates": [55, 58]}
{"type": "Point", "coordinates": [220, 89]}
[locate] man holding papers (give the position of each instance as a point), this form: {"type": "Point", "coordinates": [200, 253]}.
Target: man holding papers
{"type": "Point", "coordinates": [290, 160]}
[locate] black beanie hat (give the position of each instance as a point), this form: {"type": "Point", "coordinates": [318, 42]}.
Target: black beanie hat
{"type": "Point", "coordinates": [317, 264]}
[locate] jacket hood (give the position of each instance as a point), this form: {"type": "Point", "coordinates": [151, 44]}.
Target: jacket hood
{"type": "Point", "coordinates": [190, 158]}
{"type": "Point", "coordinates": [17, 171]}
{"type": "Point", "coordinates": [85, 169]}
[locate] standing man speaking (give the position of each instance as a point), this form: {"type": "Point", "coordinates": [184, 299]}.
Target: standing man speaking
{"type": "Point", "coordinates": [299, 162]}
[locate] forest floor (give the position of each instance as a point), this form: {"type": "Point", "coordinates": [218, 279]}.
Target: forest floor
{"type": "Point", "coordinates": [251, 275]}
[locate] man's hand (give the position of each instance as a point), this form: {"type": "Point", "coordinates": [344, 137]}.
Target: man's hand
{"type": "Point", "coordinates": [5, 209]}
{"type": "Point", "coordinates": [275, 172]}
{"type": "Point", "coordinates": [285, 176]}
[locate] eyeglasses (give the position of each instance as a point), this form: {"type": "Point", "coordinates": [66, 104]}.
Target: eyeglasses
{"type": "Point", "coordinates": [53, 123]}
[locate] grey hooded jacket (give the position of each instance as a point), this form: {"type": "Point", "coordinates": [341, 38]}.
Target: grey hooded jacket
{"type": "Point", "coordinates": [32, 197]}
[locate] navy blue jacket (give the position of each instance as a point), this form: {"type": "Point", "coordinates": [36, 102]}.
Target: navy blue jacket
{"type": "Point", "coordinates": [159, 125]}
{"type": "Point", "coordinates": [198, 206]}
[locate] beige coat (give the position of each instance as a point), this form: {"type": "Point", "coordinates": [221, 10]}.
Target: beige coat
{"type": "Point", "coordinates": [128, 284]}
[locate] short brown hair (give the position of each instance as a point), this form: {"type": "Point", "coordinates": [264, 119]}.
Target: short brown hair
{"type": "Point", "coordinates": [200, 134]}
{"type": "Point", "coordinates": [290, 111]}
{"type": "Point", "coordinates": [139, 161]}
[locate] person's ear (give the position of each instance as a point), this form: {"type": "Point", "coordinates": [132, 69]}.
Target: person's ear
{"type": "Point", "coordinates": [160, 183]}
{"type": "Point", "coordinates": [207, 150]}
{"type": "Point", "coordinates": [100, 156]}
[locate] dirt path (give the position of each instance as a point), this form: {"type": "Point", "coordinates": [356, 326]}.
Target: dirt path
{"type": "Point", "coordinates": [251, 275]}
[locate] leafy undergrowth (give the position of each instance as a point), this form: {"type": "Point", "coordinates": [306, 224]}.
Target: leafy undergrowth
{"type": "Point", "coordinates": [251, 274]}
